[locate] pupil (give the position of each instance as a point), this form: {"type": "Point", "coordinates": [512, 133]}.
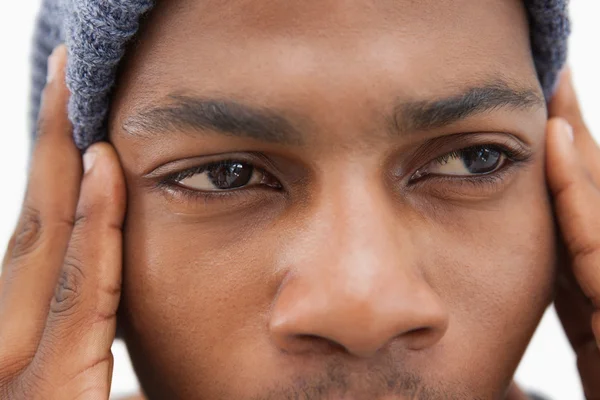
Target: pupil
{"type": "Point", "coordinates": [231, 175]}
{"type": "Point", "coordinates": [481, 160]}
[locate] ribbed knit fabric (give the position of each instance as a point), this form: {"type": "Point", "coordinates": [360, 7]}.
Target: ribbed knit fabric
{"type": "Point", "coordinates": [96, 33]}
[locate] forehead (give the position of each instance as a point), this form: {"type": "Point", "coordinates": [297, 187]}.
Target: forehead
{"type": "Point", "coordinates": [270, 49]}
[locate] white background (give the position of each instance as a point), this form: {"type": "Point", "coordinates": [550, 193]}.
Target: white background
{"type": "Point", "coordinates": [548, 366]}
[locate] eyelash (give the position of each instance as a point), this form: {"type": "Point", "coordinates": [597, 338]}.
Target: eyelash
{"type": "Point", "coordinates": [188, 173]}
{"type": "Point", "coordinates": [513, 154]}
{"type": "Point", "coordinates": [170, 183]}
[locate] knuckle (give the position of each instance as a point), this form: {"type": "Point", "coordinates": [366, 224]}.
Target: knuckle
{"type": "Point", "coordinates": [17, 391]}
{"type": "Point", "coordinates": [32, 384]}
{"type": "Point", "coordinates": [106, 307]}
{"type": "Point", "coordinates": [28, 232]}
{"type": "Point", "coordinates": [25, 386]}
{"type": "Point", "coordinates": [86, 212]}
{"type": "Point", "coordinates": [68, 290]}
{"type": "Point", "coordinates": [586, 253]}
{"type": "Point", "coordinates": [11, 366]}
{"type": "Point", "coordinates": [81, 218]}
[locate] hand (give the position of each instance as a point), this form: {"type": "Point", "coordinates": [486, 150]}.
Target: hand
{"type": "Point", "coordinates": [573, 169]}
{"type": "Point", "coordinates": [62, 270]}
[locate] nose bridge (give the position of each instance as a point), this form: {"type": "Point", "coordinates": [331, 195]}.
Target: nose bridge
{"type": "Point", "coordinates": [360, 287]}
{"type": "Point", "coordinates": [353, 235]}
{"type": "Point", "coordinates": [358, 218]}
{"type": "Point", "coordinates": [365, 243]}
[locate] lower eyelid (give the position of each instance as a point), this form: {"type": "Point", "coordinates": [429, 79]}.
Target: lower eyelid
{"type": "Point", "coordinates": [256, 183]}
{"type": "Point", "coordinates": [192, 198]}
{"type": "Point", "coordinates": [444, 185]}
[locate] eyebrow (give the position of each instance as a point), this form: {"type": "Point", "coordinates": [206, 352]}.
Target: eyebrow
{"type": "Point", "coordinates": [227, 117]}
{"type": "Point", "coordinates": [233, 118]}
{"type": "Point", "coordinates": [431, 114]}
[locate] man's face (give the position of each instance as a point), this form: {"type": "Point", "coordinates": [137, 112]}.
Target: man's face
{"type": "Point", "coordinates": [332, 199]}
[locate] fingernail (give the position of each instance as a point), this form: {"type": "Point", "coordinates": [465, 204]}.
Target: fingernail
{"type": "Point", "coordinates": [54, 63]}
{"type": "Point", "coordinates": [567, 130]}
{"type": "Point", "coordinates": [89, 158]}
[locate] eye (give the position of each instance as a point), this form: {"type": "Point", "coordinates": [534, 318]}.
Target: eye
{"type": "Point", "coordinates": [471, 161]}
{"type": "Point", "coordinates": [224, 176]}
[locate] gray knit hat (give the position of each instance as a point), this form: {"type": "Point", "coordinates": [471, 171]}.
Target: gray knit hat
{"type": "Point", "coordinates": [96, 33]}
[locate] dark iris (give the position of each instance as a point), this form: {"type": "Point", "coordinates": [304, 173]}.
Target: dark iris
{"type": "Point", "coordinates": [481, 160]}
{"type": "Point", "coordinates": [231, 175]}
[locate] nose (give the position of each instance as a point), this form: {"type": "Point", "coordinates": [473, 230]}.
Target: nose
{"type": "Point", "coordinates": [354, 284]}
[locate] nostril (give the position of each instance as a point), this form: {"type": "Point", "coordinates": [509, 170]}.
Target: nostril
{"type": "Point", "coordinates": [306, 343]}
{"type": "Point", "coordinates": [419, 332]}
{"type": "Point", "coordinates": [420, 338]}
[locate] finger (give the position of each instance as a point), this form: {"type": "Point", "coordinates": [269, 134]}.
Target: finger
{"type": "Point", "coordinates": [576, 312]}
{"type": "Point", "coordinates": [8, 252]}
{"type": "Point", "coordinates": [573, 308]}
{"type": "Point", "coordinates": [515, 393]}
{"type": "Point", "coordinates": [81, 323]}
{"type": "Point", "coordinates": [588, 364]}
{"type": "Point", "coordinates": [576, 201]}
{"type": "Point", "coordinates": [565, 104]}
{"type": "Point", "coordinates": [37, 248]}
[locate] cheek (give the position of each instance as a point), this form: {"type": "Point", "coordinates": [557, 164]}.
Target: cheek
{"type": "Point", "coordinates": [193, 291]}
{"type": "Point", "coordinates": [494, 267]}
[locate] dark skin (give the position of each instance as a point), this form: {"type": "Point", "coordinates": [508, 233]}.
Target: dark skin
{"type": "Point", "coordinates": [360, 258]}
